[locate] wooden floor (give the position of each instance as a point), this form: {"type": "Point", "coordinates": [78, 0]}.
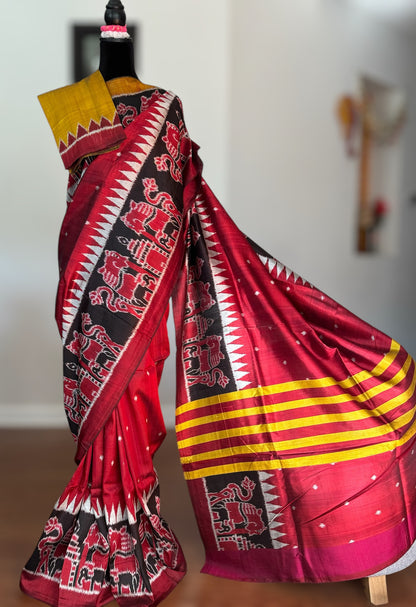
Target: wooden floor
{"type": "Point", "coordinates": [35, 466]}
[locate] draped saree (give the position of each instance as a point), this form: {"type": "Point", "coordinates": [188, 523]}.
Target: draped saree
{"type": "Point", "coordinates": [295, 419]}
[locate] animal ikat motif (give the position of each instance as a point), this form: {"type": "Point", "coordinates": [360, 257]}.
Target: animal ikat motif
{"type": "Point", "coordinates": [94, 552]}
{"type": "Point", "coordinates": [124, 250]}
{"type": "Point", "coordinates": [238, 512]}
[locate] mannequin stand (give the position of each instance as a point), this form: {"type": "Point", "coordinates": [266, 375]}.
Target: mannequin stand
{"type": "Point", "coordinates": [376, 589]}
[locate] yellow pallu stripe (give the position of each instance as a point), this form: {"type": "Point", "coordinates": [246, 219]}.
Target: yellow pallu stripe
{"type": "Point", "coordinates": [305, 422]}
{"type": "Point", "coordinates": [323, 439]}
{"type": "Point", "coordinates": [303, 461]}
{"type": "Point", "coordinates": [309, 402]}
{"type": "Point", "coordinates": [292, 386]}
{"type": "Point", "coordinates": [297, 443]}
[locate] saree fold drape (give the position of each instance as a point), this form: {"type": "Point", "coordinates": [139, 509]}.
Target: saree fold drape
{"type": "Point", "coordinates": [105, 538]}
{"type": "Point", "coordinates": [295, 419]}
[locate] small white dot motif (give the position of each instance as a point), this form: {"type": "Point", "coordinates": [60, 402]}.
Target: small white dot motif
{"type": "Point", "coordinates": [97, 187]}
{"type": "Point", "coordinates": [397, 484]}
{"type": "Point", "coordinates": [315, 487]}
{"type": "Point", "coordinates": [285, 362]}
{"type": "Point", "coordinates": [248, 261]}
{"type": "Point", "coordinates": [129, 496]}
{"type": "Point", "coordinates": [287, 288]}
{"type": "Point", "coordinates": [373, 338]}
{"type": "Point", "coordinates": [373, 478]}
{"type": "Point", "coordinates": [119, 438]}
{"type": "Point", "coordinates": [303, 333]}
{"type": "Point", "coordinates": [215, 208]}
{"type": "Point", "coordinates": [351, 541]}
{"type": "Point", "coordinates": [87, 223]}
{"type": "Point", "coordinates": [335, 326]}
{"type": "Point", "coordinates": [127, 427]}
{"type": "Point", "coordinates": [272, 282]}
{"type": "Point", "coordinates": [298, 342]}
{"type": "Point", "coordinates": [238, 279]}
{"type": "Point", "coordinates": [257, 293]}
{"type": "Point", "coordinates": [403, 519]}
{"type": "Point", "coordinates": [295, 547]}
{"type": "Point", "coordinates": [378, 512]}
{"type": "Point", "coordinates": [101, 457]}
{"type": "Point", "coordinates": [346, 503]}
{"type": "Point", "coordinates": [119, 154]}
{"type": "Point", "coordinates": [160, 434]}
{"type": "Point", "coordinates": [257, 349]}
{"type": "Point", "coordinates": [147, 448]}
{"type": "Point", "coordinates": [353, 360]}
{"type": "Point", "coordinates": [322, 525]}
{"type": "Point", "coordinates": [135, 398]}
{"type": "Point", "coordinates": [112, 463]}
{"type": "Point", "coordinates": [322, 297]}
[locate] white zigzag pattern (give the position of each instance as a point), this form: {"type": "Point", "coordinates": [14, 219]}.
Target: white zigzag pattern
{"type": "Point", "coordinates": [112, 517]}
{"type": "Point", "coordinates": [128, 174]}
{"type": "Point", "coordinates": [270, 263]}
{"type": "Point", "coordinates": [272, 510]}
{"type": "Point", "coordinates": [223, 289]}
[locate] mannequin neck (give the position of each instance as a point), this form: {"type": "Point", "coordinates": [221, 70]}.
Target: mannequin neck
{"type": "Point", "coordinates": [116, 58]}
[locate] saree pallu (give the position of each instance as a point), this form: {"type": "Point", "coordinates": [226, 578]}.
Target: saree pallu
{"type": "Point", "coordinates": [295, 419]}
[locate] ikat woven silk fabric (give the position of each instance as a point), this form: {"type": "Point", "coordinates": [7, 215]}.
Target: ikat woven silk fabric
{"type": "Point", "coordinates": [295, 419]}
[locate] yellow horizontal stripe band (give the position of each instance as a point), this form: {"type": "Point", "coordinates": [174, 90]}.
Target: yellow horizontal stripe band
{"type": "Point", "coordinates": [298, 443]}
{"type": "Point", "coordinates": [305, 461]}
{"type": "Point", "coordinates": [291, 386]}
{"type": "Point", "coordinates": [300, 422]}
{"type": "Point", "coordinates": [310, 402]}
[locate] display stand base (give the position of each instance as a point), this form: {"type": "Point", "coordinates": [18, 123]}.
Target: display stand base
{"type": "Point", "coordinates": [376, 589]}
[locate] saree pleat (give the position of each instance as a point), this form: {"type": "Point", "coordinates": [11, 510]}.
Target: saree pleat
{"type": "Point", "coordinates": [105, 538]}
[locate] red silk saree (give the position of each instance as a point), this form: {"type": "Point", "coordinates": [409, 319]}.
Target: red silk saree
{"type": "Point", "coordinates": [295, 419]}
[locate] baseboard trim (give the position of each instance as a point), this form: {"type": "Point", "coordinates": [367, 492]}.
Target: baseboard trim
{"type": "Point", "coordinates": [34, 415]}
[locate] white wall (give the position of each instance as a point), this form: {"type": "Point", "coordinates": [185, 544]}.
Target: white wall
{"type": "Point", "coordinates": [291, 187]}
{"type": "Point", "coordinates": [259, 81]}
